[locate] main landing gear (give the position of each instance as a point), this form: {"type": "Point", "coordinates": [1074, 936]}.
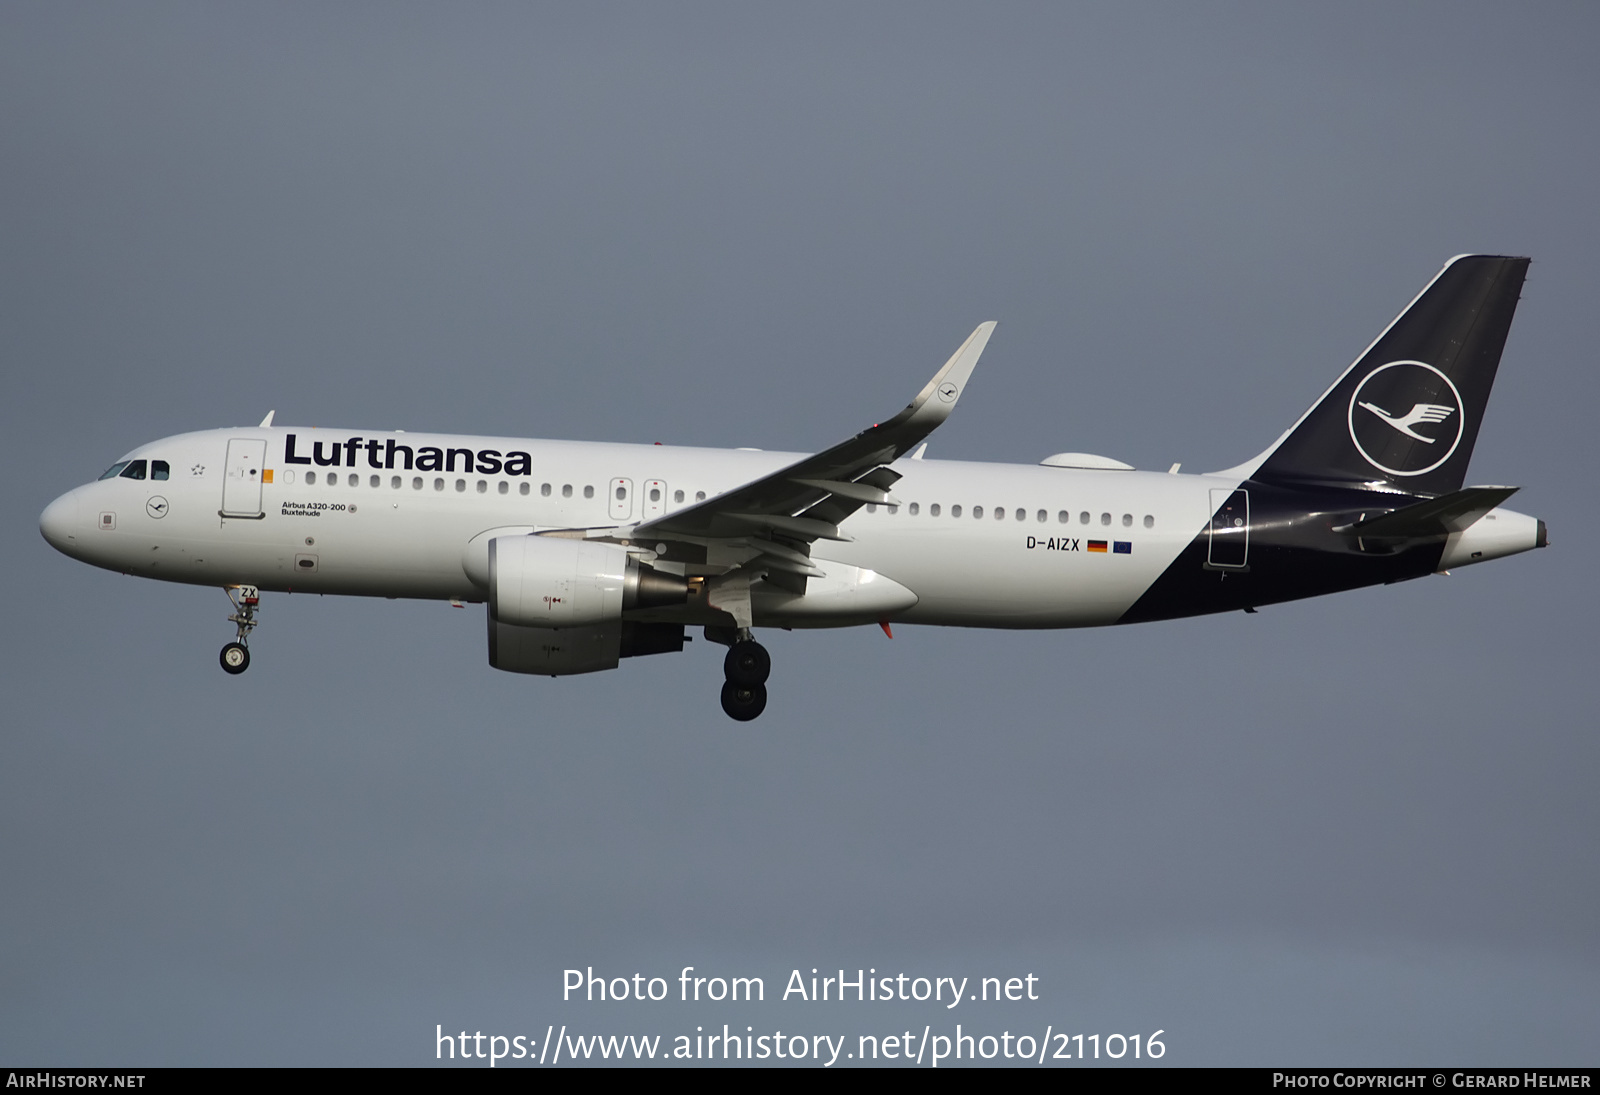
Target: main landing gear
{"type": "Point", "coordinates": [746, 668]}
{"type": "Point", "coordinates": [235, 656]}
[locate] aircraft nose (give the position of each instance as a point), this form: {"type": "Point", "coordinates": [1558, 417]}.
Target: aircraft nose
{"type": "Point", "coordinates": [59, 523]}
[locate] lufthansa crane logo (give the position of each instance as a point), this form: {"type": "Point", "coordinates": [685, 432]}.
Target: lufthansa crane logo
{"type": "Point", "coordinates": [1406, 418]}
{"type": "Point", "coordinates": [947, 391]}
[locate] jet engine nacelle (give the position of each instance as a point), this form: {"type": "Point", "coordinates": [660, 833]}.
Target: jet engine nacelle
{"type": "Point", "coordinates": [556, 605]}
{"type": "Point", "coordinates": [553, 582]}
{"type": "Point", "coordinates": [563, 651]}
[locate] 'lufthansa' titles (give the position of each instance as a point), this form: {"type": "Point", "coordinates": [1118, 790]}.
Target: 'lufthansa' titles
{"type": "Point", "coordinates": [386, 454]}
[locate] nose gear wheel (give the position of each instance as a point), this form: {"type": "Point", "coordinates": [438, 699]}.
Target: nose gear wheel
{"type": "Point", "coordinates": [246, 600]}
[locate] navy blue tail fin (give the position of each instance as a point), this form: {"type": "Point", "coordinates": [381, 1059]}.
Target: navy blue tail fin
{"type": "Point", "coordinates": [1406, 414]}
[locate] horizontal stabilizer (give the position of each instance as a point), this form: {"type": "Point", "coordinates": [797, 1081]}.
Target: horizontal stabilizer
{"type": "Point", "coordinates": [1437, 517]}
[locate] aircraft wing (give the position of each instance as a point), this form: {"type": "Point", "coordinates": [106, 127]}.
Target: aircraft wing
{"type": "Point", "coordinates": [806, 501]}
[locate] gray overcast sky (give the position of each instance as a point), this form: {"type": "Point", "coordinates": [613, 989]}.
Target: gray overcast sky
{"type": "Point", "coordinates": [1353, 830]}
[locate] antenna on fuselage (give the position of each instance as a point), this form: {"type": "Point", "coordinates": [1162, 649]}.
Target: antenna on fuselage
{"type": "Point", "coordinates": [267, 421]}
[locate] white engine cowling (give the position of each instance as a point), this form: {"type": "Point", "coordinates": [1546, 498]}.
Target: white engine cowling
{"type": "Point", "coordinates": [556, 605]}
{"type": "Point", "coordinates": [541, 581]}
{"type": "Point", "coordinates": [547, 581]}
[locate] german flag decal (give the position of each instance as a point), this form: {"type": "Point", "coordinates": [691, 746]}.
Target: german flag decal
{"type": "Point", "coordinates": [1097, 545]}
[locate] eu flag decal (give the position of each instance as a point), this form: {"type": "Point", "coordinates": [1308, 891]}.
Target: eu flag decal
{"type": "Point", "coordinates": [1122, 547]}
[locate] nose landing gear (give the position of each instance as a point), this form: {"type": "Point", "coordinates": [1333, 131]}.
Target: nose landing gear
{"type": "Point", "coordinates": [746, 668]}
{"type": "Point", "coordinates": [235, 656]}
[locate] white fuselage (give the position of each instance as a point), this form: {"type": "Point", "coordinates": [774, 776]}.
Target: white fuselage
{"type": "Point", "coordinates": [361, 527]}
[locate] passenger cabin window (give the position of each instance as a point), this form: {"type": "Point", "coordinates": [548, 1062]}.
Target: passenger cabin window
{"type": "Point", "coordinates": [566, 490]}
{"type": "Point", "coordinates": [523, 489]}
{"type": "Point", "coordinates": [134, 470]}
{"type": "Point", "coordinates": [677, 496]}
{"type": "Point", "coordinates": [483, 486]}
{"type": "Point", "coordinates": [588, 492]}
{"type": "Point", "coordinates": [374, 481]}
{"type": "Point", "coordinates": [1083, 518]}
{"type": "Point", "coordinates": [311, 478]}
{"type": "Point", "coordinates": [1105, 518]}
{"type": "Point", "coordinates": [977, 511]}
{"type": "Point", "coordinates": [416, 482]}
{"type": "Point", "coordinates": [438, 484]}
{"type": "Point", "coordinates": [461, 486]}
{"type": "Point", "coordinates": [114, 470]}
{"type": "Point", "coordinates": [1127, 520]}
{"type": "Point", "coordinates": [699, 496]}
{"type": "Point", "coordinates": [1149, 521]}
{"type": "Point", "coordinates": [913, 509]}
{"type": "Point", "coordinates": [955, 511]}
{"type": "Point", "coordinates": [544, 490]}
{"type": "Point", "coordinates": [1064, 517]}
{"type": "Point", "coordinates": [505, 487]}
{"type": "Point", "coordinates": [159, 469]}
{"type": "Point", "coordinates": [933, 510]}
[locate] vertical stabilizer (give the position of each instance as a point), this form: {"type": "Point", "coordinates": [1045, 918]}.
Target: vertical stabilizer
{"type": "Point", "coordinates": [1406, 414]}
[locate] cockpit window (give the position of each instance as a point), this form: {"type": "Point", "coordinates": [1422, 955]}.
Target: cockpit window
{"type": "Point", "coordinates": [134, 470]}
{"type": "Point", "coordinates": [114, 470]}
{"type": "Point", "coordinates": [159, 469]}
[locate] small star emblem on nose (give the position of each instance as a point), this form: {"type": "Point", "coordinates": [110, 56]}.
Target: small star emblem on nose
{"type": "Point", "coordinates": [198, 469]}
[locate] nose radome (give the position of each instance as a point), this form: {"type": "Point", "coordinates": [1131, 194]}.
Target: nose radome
{"type": "Point", "coordinates": [59, 523]}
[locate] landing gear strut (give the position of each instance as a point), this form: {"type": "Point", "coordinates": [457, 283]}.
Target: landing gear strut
{"type": "Point", "coordinates": [746, 667]}
{"type": "Point", "coordinates": [235, 656]}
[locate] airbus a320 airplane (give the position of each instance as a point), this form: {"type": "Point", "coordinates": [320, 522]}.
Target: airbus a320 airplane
{"type": "Point", "coordinates": [590, 553]}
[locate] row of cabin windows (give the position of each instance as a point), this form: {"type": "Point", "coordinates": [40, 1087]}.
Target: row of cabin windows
{"type": "Point", "coordinates": [396, 482]}
{"type": "Point", "coordinates": [159, 469]}
{"type": "Point", "coordinates": [138, 469]}
{"type": "Point", "coordinates": [1063, 517]}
